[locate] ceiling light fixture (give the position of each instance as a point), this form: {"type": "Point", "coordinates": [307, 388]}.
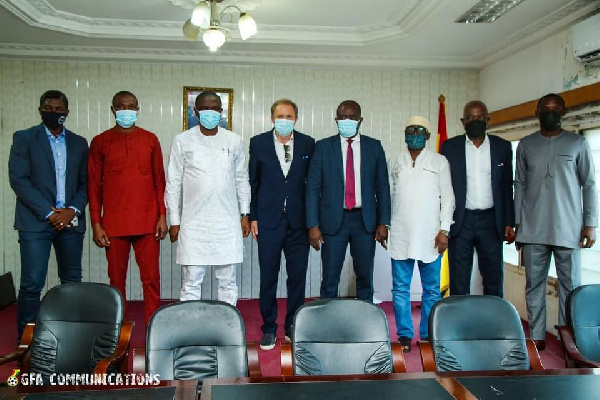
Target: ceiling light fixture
{"type": "Point", "coordinates": [487, 11]}
{"type": "Point", "coordinates": [206, 18]}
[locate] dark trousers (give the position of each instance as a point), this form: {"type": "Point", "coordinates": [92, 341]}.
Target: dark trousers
{"type": "Point", "coordinates": [35, 253]}
{"type": "Point", "coordinates": [478, 232]}
{"type": "Point", "coordinates": [295, 246]}
{"type": "Point", "coordinates": [362, 250]}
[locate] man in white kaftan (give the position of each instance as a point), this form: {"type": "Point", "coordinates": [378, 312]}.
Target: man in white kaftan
{"type": "Point", "coordinates": [206, 195]}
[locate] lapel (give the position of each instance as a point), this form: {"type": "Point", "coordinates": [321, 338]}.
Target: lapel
{"type": "Point", "coordinates": [363, 161]}
{"type": "Point", "coordinates": [70, 160]}
{"type": "Point", "coordinates": [462, 156]}
{"type": "Point", "coordinates": [297, 153]}
{"type": "Point", "coordinates": [45, 143]}
{"type": "Point", "coordinates": [336, 145]}
{"type": "Point", "coordinates": [495, 161]}
{"type": "Point", "coordinates": [273, 151]}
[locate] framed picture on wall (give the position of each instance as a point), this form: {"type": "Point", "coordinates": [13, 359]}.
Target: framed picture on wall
{"type": "Point", "coordinates": [189, 98]}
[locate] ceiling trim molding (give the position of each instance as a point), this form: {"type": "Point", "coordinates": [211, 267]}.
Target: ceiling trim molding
{"type": "Point", "coordinates": [15, 50]}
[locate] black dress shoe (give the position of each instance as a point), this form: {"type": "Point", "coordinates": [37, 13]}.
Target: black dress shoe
{"type": "Point", "coordinates": [540, 344]}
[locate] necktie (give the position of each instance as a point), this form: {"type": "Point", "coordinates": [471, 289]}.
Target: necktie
{"type": "Point", "coordinates": [349, 194]}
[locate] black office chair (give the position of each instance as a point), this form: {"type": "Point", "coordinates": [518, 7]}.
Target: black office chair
{"type": "Point", "coordinates": [477, 333]}
{"type": "Point", "coordinates": [79, 329]}
{"type": "Point", "coordinates": [581, 337]}
{"type": "Point", "coordinates": [197, 339]}
{"type": "Point", "coordinates": [340, 337]}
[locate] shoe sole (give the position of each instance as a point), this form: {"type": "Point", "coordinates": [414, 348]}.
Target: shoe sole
{"type": "Point", "coordinates": [269, 347]}
{"type": "Point", "coordinates": [287, 338]}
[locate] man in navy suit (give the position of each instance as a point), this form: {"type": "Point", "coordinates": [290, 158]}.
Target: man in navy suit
{"type": "Point", "coordinates": [348, 201]}
{"type": "Point", "coordinates": [482, 178]}
{"type": "Point", "coordinates": [279, 161]}
{"type": "Point", "coordinates": [47, 168]}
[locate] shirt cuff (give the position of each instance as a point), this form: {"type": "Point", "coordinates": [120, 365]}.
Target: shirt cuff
{"type": "Point", "coordinates": [76, 210]}
{"type": "Point", "coordinates": [49, 214]}
{"type": "Point", "coordinates": [174, 219]}
{"type": "Point", "coordinates": [445, 225]}
{"type": "Point", "coordinates": [245, 209]}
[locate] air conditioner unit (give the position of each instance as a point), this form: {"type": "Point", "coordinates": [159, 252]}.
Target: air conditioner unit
{"type": "Point", "coordinates": [585, 37]}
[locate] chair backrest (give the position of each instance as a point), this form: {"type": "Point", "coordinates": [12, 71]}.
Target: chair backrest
{"type": "Point", "coordinates": [196, 339]}
{"type": "Point", "coordinates": [583, 314]}
{"type": "Point", "coordinates": [477, 333]}
{"type": "Point", "coordinates": [78, 325]}
{"type": "Point", "coordinates": [340, 337]}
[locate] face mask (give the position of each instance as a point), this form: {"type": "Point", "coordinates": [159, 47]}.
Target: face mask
{"type": "Point", "coordinates": [209, 118]}
{"type": "Point", "coordinates": [476, 128]}
{"type": "Point", "coordinates": [284, 127]}
{"type": "Point", "coordinates": [415, 142]}
{"type": "Point", "coordinates": [347, 127]}
{"type": "Point", "coordinates": [550, 120]}
{"type": "Point", "coordinates": [53, 120]}
{"type": "Point", "coordinates": [126, 118]}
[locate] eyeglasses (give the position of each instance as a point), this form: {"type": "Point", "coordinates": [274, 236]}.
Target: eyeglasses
{"type": "Point", "coordinates": [416, 130]}
{"type": "Point", "coordinates": [288, 155]}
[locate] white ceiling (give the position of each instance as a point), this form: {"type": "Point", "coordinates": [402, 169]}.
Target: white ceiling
{"type": "Point", "coordinates": [383, 33]}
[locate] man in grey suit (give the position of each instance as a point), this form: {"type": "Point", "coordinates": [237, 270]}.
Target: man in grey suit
{"type": "Point", "coordinates": [348, 201]}
{"type": "Point", "coordinates": [554, 179]}
{"type": "Point", "coordinates": [47, 169]}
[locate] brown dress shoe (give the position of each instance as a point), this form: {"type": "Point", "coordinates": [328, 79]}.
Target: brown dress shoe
{"type": "Point", "coordinates": [540, 344]}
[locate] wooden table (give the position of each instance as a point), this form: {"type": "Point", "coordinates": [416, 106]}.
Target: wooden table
{"type": "Point", "coordinates": [497, 385]}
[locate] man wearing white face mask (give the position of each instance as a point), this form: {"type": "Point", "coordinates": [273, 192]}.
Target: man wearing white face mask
{"type": "Point", "coordinates": [348, 201]}
{"type": "Point", "coordinates": [208, 198]}
{"type": "Point", "coordinates": [126, 189]}
{"type": "Point", "coordinates": [279, 161]}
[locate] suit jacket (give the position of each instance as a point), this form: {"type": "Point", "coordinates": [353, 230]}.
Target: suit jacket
{"type": "Point", "coordinates": [271, 189]}
{"type": "Point", "coordinates": [325, 185]}
{"type": "Point", "coordinates": [501, 175]}
{"type": "Point", "coordinates": [32, 176]}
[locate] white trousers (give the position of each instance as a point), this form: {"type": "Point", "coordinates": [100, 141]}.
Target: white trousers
{"type": "Point", "coordinates": [193, 275]}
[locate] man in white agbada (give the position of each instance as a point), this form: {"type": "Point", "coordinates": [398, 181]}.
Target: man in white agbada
{"type": "Point", "coordinates": [207, 194]}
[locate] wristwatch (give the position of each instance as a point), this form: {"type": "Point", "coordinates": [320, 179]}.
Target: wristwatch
{"type": "Point", "coordinates": [244, 215]}
{"type": "Point", "coordinates": [446, 233]}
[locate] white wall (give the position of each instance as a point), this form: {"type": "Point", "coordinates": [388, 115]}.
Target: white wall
{"type": "Point", "coordinates": [388, 98]}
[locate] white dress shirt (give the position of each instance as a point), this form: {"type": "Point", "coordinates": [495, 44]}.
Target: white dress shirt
{"type": "Point", "coordinates": [356, 156]}
{"type": "Point", "coordinates": [479, 175]}
{"type": "Point", "coordinates": [280, 150]}
{"type": "Point", "coordinates": [422, 204]}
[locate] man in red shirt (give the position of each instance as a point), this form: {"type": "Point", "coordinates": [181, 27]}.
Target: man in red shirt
{"type": "Point", "coordinates": [126, 190]}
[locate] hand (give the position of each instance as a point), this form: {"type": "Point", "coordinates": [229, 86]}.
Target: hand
{"type": "Point", "coordinates": [61, 218]}
{"type": "Point", "coordinates": [161, 228]}
{"type": "Point", "coordinates": [254, 229]}
{"type": "Point", "coordinates": [245, 226]}
{"type": "Point", "coordinates": [441, 242]}
{"type": "Point", "coordinates": [99, 235]}
{"type": "Point", "coordinates": [509, 234]}
{"type": "Point", "coordinates": [174, 233]}
{"type": "Point", "coordinates": [381, 235]}
{"type": "Point", "coordinates": [588, 237]}
{"type": "Point", "coordinates": [315, 237]}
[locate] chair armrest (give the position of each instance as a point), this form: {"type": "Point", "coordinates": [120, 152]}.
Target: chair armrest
{"type": "Point", "coordinates": [398, 363]}
{"type": "Point", "coordinates": [287, 367]}
{"type": "Point", "coordinates": [139, 360]}
{"type": "Point", "coordinates": [23, 347]}
{"type": "Point", "coordinates": [427, 359]}
{"type": "Point", "coordinates": [253, 360]}
{"type": "Point", "coordinates": [534, 356]}
{"type": "Point", "coordinates": [571, 351]}
{"type": "Point", "coordinates": [120, 354]}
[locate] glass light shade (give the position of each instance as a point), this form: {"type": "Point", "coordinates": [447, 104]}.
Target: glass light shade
{"type": "Point", "coordinates": [247, 26]}
{"type": "Point", "coordinates": [201, 15]}
{"type": "Point", "coordinates": [190, 30]}
{"type": "Point", "coordinates": [213, 38]}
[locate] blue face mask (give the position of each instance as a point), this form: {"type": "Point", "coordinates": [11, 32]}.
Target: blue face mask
{"type": "Point", "coordinates": [415, 142]}
{"type": "Point", "coordinates": [209, 118]}
{"type": "Point", "coordinates": [125, 118]}
{"type": "Point", "coordinates": [347, 127]}
{"type": "Point", "coordinates": [284, 127]}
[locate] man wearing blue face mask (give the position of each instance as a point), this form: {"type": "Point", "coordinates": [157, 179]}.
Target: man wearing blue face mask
{"type": "Point", "coordinates": [279, 161]}
{"type": "Point", "coordinates": [422, 208]}
{"type": "Point", "coordinates": [126, 189]}
{"type": "Point", "coordinates": [348, 201]}
{"type": "Point", "coordinates": [208, 199]}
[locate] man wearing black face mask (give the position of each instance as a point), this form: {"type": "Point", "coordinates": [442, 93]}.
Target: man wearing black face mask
{"type": "Point", "coordinates": [481, 169]}
{"type": "Point", "coordinates": [556, 209]}
{"type": "Point", "coordinates": [47, 169]}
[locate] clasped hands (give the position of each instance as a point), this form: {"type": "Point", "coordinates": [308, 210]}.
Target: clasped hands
{"type": "Point", "coordinates": [61, 218]}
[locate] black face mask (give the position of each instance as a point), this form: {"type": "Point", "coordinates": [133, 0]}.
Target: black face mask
{"type": "Point", "coordinates": [550, 120]}
{"type": "Point", "coordinates": [476, 128]}
{"type": "Point", "coordinates": [53, 120]}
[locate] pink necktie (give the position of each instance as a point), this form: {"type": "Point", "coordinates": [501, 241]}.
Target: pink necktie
{"type": "Point", "coordinates": [350, 195]}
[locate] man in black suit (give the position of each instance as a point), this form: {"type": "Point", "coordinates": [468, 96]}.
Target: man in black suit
{"type": "Point", "coordinates": [47, 168]}
{"type": "Point", "coordinates": [279, 161]}
{"type": "Point", "coordinates": [482, 178]}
